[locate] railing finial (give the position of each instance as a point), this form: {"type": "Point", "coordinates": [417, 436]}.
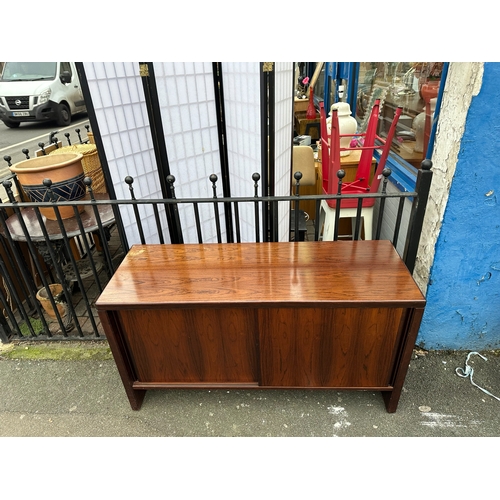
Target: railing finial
{"type": "Point", "coordinates": [130, 180]}
{"type": "Point", "coordinates": [213, 179]}
{"type": "Point", "coordinates": [7, 184]}
{"type": "Point", "coordinates": [340, 175]}
{"type": "Point", "coordinates": [48, 184]}
{"type": "Point", "coordinates": [53, 139]}
{"type": "Point", "coordinates": [426, 164]}
{"type": "Point", "coordinates": [171, 180]}
{"type": "Point", "coordinates": [88, 182]}
{"type": "Point", "coordinates": [386, 173]}
{"type": "Point", "coordinates": [256, 179]}
{"type": "Point", "coordinates": [297, 176]}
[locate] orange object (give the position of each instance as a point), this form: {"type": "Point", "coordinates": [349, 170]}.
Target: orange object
{"type": "Point", "coordinates": [311, 110]}
{"type": "Point", "coordinates": [66, 173]}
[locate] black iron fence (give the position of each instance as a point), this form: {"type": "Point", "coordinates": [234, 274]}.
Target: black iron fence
{"type": "Point", "coordinates": [53, 270]}
{"type": "Point", "coordinates": [53, 143]}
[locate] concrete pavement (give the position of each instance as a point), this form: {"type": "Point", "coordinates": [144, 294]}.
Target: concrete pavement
{"type": "Point", "coordinates": [82, 395]}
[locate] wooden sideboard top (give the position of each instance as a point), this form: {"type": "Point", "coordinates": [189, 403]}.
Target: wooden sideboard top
{"type": "Point", "coordinates": [341, 273]}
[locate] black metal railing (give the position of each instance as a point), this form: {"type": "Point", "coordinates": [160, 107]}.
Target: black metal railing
{"type": "Point", "coordinates": [79, 255]}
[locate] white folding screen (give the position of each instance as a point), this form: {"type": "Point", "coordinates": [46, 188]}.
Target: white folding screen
{"type": "Point", "coordinates": [242, 114]}
{"type": "Point", "coordinates": [187, 104]}
{"type": "Point", "coordinates": [118, 98]}
{"type": "Point", "coordinates": [283, 141]}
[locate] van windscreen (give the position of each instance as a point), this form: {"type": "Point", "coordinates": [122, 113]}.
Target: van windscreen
{"type": "Point", "coordinates": [28, 71]}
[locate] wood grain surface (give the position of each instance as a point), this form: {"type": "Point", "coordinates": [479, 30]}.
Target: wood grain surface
{"type": "Point", "coordinates": [343, 347]}
{"type": "Point", "coordinates": [192, 345]}
{"type": "Point", "coordinates": [297, 274]}
{"type": "Point", "coordinates": [303, 314]}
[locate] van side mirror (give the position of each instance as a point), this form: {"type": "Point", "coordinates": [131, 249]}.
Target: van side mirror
{"type": "Point", "coordinates": [65, 77]}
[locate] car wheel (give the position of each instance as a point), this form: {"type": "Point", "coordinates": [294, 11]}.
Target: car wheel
{"type": "Point", "coordinates": [11, 124]}
{"type": "Point", "coordinates": [63, 115]}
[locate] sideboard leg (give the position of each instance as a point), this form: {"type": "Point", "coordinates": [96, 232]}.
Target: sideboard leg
{"type": "Point", "coordinates": [122, 359]}
{"type": "Point", "coordinates": [391, 400]}
{"type": "Point", "coordinates": [410, 332]}
{"type": "Point", "coordinates": [135, 397]}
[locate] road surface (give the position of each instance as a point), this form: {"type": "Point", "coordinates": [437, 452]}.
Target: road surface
{"type": "Point", "coordinates": [28, 135]}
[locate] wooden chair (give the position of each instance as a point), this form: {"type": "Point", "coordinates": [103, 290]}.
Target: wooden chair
{"type": "Point", "coordinates": [303, 162]}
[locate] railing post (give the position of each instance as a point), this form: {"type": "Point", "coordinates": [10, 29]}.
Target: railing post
{"type": "Point", "coordinates": [54, 251]}
{"type": "Point", "coordinates": [4, 336]}
{"type": "Point", "coordinates": [297, 176]}
{"type": "Point", "coordinates": [65, 281]}
{"type": "Point", "coordinates": [256, 178]}
{"type": "Point", "coordinates": [174, 210]}
{"type": "Point", "coordinates": [28, 279]}
{"type": "Point", "coordinates": [340, 176]}
{"type": "Point", "coordinates": [422, 188]}
{"type": "Point", "coordinates": [213, 179]}
{"type": "Point", "coordinates": [386, 174]}
{"type": "Point", "coordinates": [130, 180]}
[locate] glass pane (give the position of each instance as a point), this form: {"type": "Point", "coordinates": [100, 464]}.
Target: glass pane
{"type": "Point", "coordinates": [411, 85]}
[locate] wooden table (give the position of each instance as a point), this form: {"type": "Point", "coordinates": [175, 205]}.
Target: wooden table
{"type": "Point", "coordinates": [407, 151]}
{"type": "Point", "coordinates": [338, 315]}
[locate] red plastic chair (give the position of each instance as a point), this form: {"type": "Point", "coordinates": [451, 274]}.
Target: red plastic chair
{"type": "Point", "coordinates": [330, 151]}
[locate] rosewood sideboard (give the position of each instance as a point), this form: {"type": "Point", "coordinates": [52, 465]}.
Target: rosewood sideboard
{"type": "Point", "coordinates": [338, 315]}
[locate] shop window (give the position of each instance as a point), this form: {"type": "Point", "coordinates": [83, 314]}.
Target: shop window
{"type": "Point", "coordinates": [414, 86]}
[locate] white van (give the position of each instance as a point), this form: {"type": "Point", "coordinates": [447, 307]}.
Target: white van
{"type": "Point", "coordinates": [39, 91]}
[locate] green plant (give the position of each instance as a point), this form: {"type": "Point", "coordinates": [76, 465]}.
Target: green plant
{"type": "Point", "coordinates": [36, 324]}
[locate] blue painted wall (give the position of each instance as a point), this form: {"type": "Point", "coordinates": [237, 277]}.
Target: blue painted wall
{"type": "Point", "coordinates": [463, 297]}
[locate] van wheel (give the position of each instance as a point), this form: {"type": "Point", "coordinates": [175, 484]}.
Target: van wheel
{"type": "Point", "coordinates": [11, 124]}
{"type": "Point", "coordinates": [63, 115]}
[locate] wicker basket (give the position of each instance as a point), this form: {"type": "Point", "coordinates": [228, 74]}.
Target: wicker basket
{"type": "Point", "coordinates": [90, 162]}
{"type": "Point", "coordinates": [90, 137]}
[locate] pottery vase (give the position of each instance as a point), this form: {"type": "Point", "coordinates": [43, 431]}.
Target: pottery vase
{"type": "Point", "coordinates": [66, 173]}
{"type": "Point", "coordinates": [347, 124]}
{"type": "Point", "coordinates": [57, 291]}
